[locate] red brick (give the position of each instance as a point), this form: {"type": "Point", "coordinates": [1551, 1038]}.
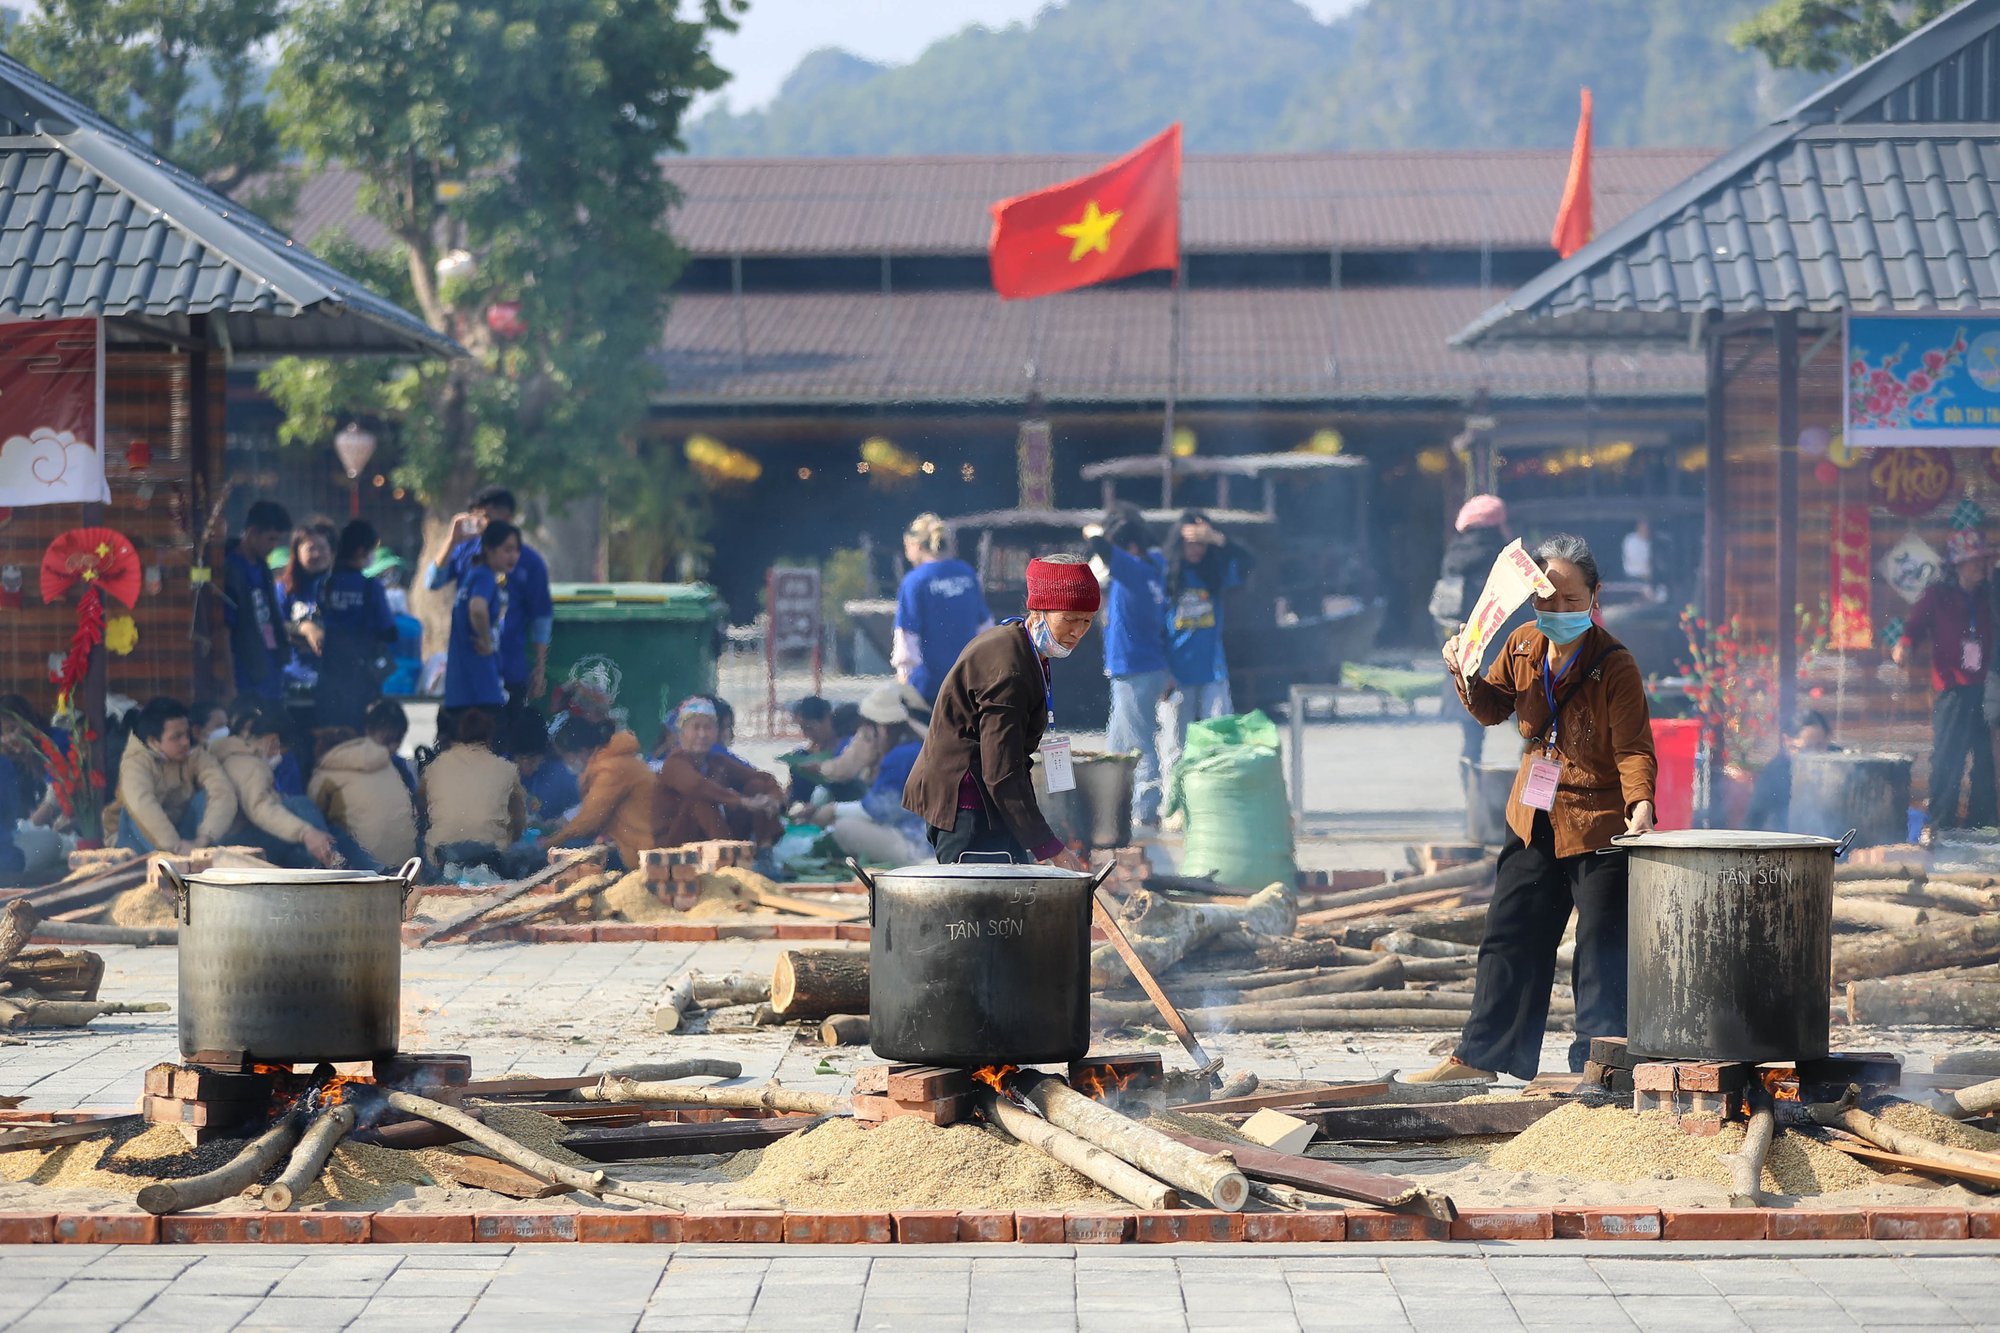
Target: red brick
{"type": "Point", "coordinates": [1607, 1224]}
{"type": "Point", "coordinates": [629, 1228]}
{"type": "Point", "coordinates": [1918, 1223]}
{"type": "Point", "coordinates": [421, 1229]}
{"type": "Point", "coordinates": [623, 932]}
{"type": "Point", "coordinates": [1295, 1228]}
{"type": "Point", "coordinates": [838, 1229]}
{"type": "Point", "coordinates": [690, 934]}
{"type": "Point", "coordinates": [1097, 1228]}
{"type": "Point", "coordinates": [512, 1228]}
{"type": "Point", "coordinates": [27, 1228]}
{"type": "Point", "coordinates": [574, 933]}
{"type": "Point", "coordinates": [981, 1226]}
{"type": "Point", "coordinates": [1715, 1224]}
{"type": "Point", "coordinates": [208, 1229]}
{"type": "Point", "coordinates": [745, 930]}
{"type": "Point", "coordinates": [1504, 1224]}
{"type": "Point", "coordinates": [1191, 1224]}
{"type": "Point", "coordinates": [1985, 1224]}
{"type": "Point", "coordinates": [852, 930]}
{"type": "Point", "coordinates": [733, 1227]}
{"type": "Point", "coordinates": [926, 1226]}
{"type": "Point", "coordinates": [1366, 1224]}
{"type": "Point", "coordinates": [1041, 1227]}
{"type": "Point", "coordinates": [413, 931]}
{"type": "Point", "coordinates": [1818, 1224]}
{"type": "Point", "coordinates": [313, 1228]}
{"type": "Point", "coordinates": [107, 1228]}
{"type": "Point", "coordinates": [808, 930]}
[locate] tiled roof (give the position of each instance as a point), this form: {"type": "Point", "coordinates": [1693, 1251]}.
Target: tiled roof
{"type": "Point", "coordinates": [1848, 204]}
{"type": "Point", "coordinates": [1358, 345]}
{"type": "Point", "coordinates": [93, 223]}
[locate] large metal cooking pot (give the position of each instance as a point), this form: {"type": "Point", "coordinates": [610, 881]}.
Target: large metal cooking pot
{"type": "Point", "coordinates": [292, 966]}
{"type": "Point", "coordinates": [1731, 944]}
{"type": "Point", "coordinates": [979, 963]}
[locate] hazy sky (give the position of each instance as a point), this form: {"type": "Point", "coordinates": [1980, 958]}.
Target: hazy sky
{"type": "Point", "coordinates": [776, 33]}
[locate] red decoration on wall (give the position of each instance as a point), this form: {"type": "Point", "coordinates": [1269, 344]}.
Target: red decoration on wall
{"type": "Point", "coordinates": [1910, 482]}
{"type": "Point", "coordinates": [504, 318]}
{"type": "Point", "coordinates": [138, 456]}
{"type": "Point", "coordinates": [98, 557]}
{"type": "Point", "coordinates": [1850, 625]}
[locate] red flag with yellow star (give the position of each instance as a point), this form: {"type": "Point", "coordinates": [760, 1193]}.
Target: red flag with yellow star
{"type": "Point", "coordinates": [1121, 220]}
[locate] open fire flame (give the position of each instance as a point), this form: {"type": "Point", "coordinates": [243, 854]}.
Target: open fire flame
{"type": "Point", "coordinates": [1099, 1082]}
{"type": "Point", "coordinates": [1782, 1084]}
{"type": "Point", "coordinates": [995, 1077]}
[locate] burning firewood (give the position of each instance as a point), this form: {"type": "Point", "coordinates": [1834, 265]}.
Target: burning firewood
{"type": "Point", "coordinates": [1746, 1165]}
{"type": "Point", "coordinates": [770, 1097]}
{"type": "Point", "coordinates": [1212, 1176]}
{"type": "Point", "coordinates": [1111, 1172]}
{"type": "Point", "coordinates": [1163, 931]}
{"type": "Point", "coordinates": [239, 1174]}
{"type": "Point", "coordinates": [328, 1128]}
{"type": "Point", "coordinates": [813, 983]}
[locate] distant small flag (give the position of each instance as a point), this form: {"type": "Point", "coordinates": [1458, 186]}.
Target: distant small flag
{"type": "Point", "coordinates": [1574, 226]}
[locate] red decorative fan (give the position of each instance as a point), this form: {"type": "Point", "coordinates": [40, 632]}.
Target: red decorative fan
{"type": "Point", "coordinates": [98, 557]}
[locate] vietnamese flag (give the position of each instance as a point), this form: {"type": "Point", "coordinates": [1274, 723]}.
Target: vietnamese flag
{"type": "Point", "coordinates": [1574, 225]}
{"type": "Point", "coordinates": [1121, 220]}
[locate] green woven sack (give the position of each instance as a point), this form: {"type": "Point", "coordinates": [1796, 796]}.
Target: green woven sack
{"type": "Point", "coordinates": [1230, 782]}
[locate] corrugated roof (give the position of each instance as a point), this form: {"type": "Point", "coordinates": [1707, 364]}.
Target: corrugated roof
{"type": "Point", "coordinates": [1359, 345]}
{"type": "Point", "coordinates": [92, 222]}
{"type": "Point", "coordinates": [1844, 205]}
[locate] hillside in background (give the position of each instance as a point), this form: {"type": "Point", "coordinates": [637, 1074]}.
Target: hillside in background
{"type": "Point", "coordinates": [1098, 76]}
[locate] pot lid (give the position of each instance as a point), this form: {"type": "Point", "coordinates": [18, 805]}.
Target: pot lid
{"type": "Point", "coordinates": [1721, 840]}
{"type": "Point", "coordinates": [980, 870]}
{"type": "Point", "coordinates": [235, 876]}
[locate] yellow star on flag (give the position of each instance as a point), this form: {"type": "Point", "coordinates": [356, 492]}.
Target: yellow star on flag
{"type": "Point", "coordinates": [103, 549]}
{"type": "Point", "coordinates": [1090, 232]}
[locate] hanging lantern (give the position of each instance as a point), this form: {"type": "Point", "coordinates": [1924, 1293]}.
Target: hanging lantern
{"type": "Point", "coordinates": [719, 464]}
{"type": "Point", "coordinates": [456, 264]}
{"type": "Point", "coordinates": [138, 456]}
{"type": "Point", "coordinates": [883, 458]}
{"type": "Point", "coordinates": [355, 445]}
{"type": "Point", "coordinates": [504, 318]}
{"type": "Point", "coordinates": [1327, 443]}
{"type": "Point", "coordinates": [1184, 442]}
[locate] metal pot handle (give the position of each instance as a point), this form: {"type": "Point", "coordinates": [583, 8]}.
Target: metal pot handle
{"type": "Point", "coordinates": [1846, 841]}
{"type": "Point", "coordinates": [179, 885]}
{"type": "Point", "coordinates": [981, 858]}
{"type": "Point", "coordinates": [408, 874]}
{"type": "Point", "coordinates": [1097, 880]}
{"type": "Point", "coordinates": [867, 882]}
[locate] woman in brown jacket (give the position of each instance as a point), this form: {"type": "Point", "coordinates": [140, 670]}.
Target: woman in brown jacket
{"type": "Point", "coordinates": [703, 795]}
{"type": "Point", "coordinates": [615, 788]}
{"type": "Point", "coordinates": [1586, 777]}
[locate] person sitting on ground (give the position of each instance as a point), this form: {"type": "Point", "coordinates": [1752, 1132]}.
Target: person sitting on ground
{"type": "Point", "coordinates": [616, 789]}
{"type": "Point", "coordinates": [172, 795]}
{"type": "Point", "coordinates": [357, 790]}
{"type": "Point", "coordinates": [387, 725]}
{"type": "Point", "coordinates": [209, 720]}
{"type": "Point", "coordinates": [1771, 798]}
{"type": "Point", "coordinates": [290, 830]}
{"type": "Point", "coordinates": [877, 828]}
{"type": "Point", "coordinates": [551, 787]}
{"type": "Point", "coordinates": [474, 807]}
{"type": "Point", "coordinates": [855, 758]}
{"type": "Point", "coordinates": [707, 796]}
{"type": "Point", "coordinates": [814, 717]}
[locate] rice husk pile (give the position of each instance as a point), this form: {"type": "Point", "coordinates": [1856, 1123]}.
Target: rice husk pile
{"type": "Point", "coordinates": [1614, 1144]}
{"type": "Point", "coordinates": [534, 1129]}
{"type": "Point", "coordinates": [632, 899]}
{"type": "Point", "coordinates": [142, 906]}
{"type": "Point", "coordinates": [1915, 1119]}
{"type": "Point", "coordinates": [367, 1175]}
{"type": "Point", "coordinates": [121, 1162]}
{"type": "Point", "coordinates": [909, 1163]}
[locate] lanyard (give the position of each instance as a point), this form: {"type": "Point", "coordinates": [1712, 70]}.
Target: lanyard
{"type": "Point", "coordinates": [1048, 676]}
{"type": "Point", "coordinates": [1549, 693]}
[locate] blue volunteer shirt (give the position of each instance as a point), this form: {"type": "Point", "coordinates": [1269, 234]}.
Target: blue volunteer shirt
{"type": "Point", "coordinates": [1135, 619]}
{"type": "Point", "coordinates": [1194, 632]}
{"type": "Point", "coordinates": [256, 633]}
{"type": "Point", "coordinates": [942, 605]}
{"type": "Point", "coordinates": [471, 677]}
{"type": "Point", "coordinates": [530, 612]}
{"type": "Point", "coordinates": [552, 791]}
{"type": "Point", "coordinates": [883, 802]}
{"type": "Point", "coordinates": [355, 615]}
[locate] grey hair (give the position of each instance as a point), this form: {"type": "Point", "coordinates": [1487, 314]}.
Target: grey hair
{"type": "Point", "coordinates": [1572, 548]}
{"type": "Point", "coordinates": [1064, 558]}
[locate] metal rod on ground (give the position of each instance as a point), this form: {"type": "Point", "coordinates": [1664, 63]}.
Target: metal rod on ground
{"type": "Point", "coordinates": [1746, 1165]}
{"type": "Point", "coordinates": [520, 1154]}
{"type": "Point", "coordinates": [1128, 1182]}
{"type": "Point", "coordinates": [328, 1128]}
{"type": "Point", "coordinates": [238, 1174]}
{"type": "Point", "coordinates": [1108, 921]}
{"type": "Point", "coordinates": [1211, 1176]}
{"type": "Point", "coordinates": [770, 1097]}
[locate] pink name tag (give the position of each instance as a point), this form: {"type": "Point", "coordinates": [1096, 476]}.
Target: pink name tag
{"type": "Point", "coordinates": [1544, 775]}
{"type": "Point", "coordinates": [1971, 657]}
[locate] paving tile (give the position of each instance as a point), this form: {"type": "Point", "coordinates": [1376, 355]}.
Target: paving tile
{"type": "Point", "coordinates": [176, 1309]}
{"type": "Point", "coordinates": [287, 1312]}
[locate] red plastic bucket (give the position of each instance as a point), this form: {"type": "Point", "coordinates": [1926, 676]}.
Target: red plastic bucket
{"type": "Point", "coordinates": [1676, 741]}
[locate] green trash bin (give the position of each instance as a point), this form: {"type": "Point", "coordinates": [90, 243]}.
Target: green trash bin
{"type": "Point", "coordinates": [658, 638]}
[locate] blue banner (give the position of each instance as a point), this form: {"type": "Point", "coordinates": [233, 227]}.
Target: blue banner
{"type": "Point", "coordinates": [1923, 380]}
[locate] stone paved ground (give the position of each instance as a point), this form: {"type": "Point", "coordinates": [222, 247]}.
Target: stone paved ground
{"type": "Point", "coordinates": [1673, 1288]}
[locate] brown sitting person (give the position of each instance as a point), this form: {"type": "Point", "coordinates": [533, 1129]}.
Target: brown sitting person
{"type": "Point", "coordinates": [707, 795]}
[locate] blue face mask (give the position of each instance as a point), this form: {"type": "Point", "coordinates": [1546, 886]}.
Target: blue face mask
{"type": "Point", "coordinates": [1562, 626]}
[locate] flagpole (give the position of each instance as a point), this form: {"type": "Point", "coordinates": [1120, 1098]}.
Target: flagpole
{"type": "Point", "coordinates": [1173, 380]}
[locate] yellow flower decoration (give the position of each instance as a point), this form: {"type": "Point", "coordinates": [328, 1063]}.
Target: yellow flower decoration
{"type": "Point", "coordinates": [121, 635]}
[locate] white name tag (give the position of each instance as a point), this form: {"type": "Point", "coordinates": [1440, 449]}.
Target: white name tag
{"type": "Point", "coordinates": [1539, 792]}
{"type": "Point", "coordinates": [1971, 657]}
{"type": "Point", "coordinates": [1056, 765]}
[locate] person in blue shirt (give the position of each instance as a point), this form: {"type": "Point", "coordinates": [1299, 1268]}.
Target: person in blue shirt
{"type": "Point", "coordinates": [877, 828]}
{"type": "Point", "coordinates": [550, 786]}
{"type": "Point", "coordinates": [524, 635]}
{"type": "Point", "coordinates": [472, 656]}
{"type": "Point", "coordinates": [1204, 564]}
{"type": "Point", "coordinates": [258, 647]}
{"type": "Point", "coordinates": [939, 608]}
{"type": "Point", "coordinates": [351, 629]}
{"type": "Point", "coordinates": [1135, 649]}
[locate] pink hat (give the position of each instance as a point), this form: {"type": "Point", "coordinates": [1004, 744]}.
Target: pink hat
{"type": "Point", "coordinates": [1482, 511]}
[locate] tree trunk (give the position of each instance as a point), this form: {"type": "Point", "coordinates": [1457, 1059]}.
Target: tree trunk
{"type": "Point", "coordinates": [56, 974]}
{"type": "Point", "coordinates": [520, 1154]}
{"type": "Point", "coordinates": [1213, 1177]}
{"type": "Point", "coordinates": [1874, 914]}
{"type": "Point", "coordinates": [1162, 931]}
{"type": "Point", "coordinates": [1383, 974]}
{"type": "Point", "coordinates": [770, 1097]}
{"type": "Point", "coordinates": [1093, 1163]}
{"type": "Point", "coordinates": [1467, 925]}
{"type": "Point", "coordinates": [816, 983]}
{"type": "Point", "coordinates": [571, 539]}
{"type": "Point", "coordinates": [1248, 955]}
{"type": "Point", "coordinates": [844, 1030]}
{"type": "Point", "coordinates": [1419, 946]}
{"type": "Point", "coordinates": [309, 1158]}
{"type": "Point", "coordinates": [239, 1174]}
{"type": "Point", "coordinates": [736, 988]}
{"type": "Point", "coordinates": [1845, 1115]}
{"type": "Point", "coordinates": [1887, 955]}
{"type": "Point", "coordinates": [1979, 1099]}
{"type": "Point", "coordinates": [1457, 877]}
{"type": "Point", "coordinates": [1956, 1004]}
{"type": "Point", "coordinates": [17, 927]}
{"type": "Point", "coordinates": [1746, 1165]}
{"type": "Point", "coordinates": [674, 1005]}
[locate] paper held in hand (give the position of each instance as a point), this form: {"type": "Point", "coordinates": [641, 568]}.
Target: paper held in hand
{"type": "Point", "coordinates": [1515, 578]}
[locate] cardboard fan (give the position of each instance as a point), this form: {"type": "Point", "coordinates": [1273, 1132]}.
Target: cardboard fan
{"type": "Point", "coordinates": [97, 557]}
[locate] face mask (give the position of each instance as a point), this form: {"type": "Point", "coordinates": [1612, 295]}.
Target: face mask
{"type": "Point", "coordinates": [274, 760]}
{"type": "Point", "coordinates": [1562, 626]}
{"type": "Point", "coordinates": [1044, 640]}
{"type": "Point", "coordinates": [218, 734]}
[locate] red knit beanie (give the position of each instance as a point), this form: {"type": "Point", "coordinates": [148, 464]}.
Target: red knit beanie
{"type": "Point", "coordinates": [1054, 586]}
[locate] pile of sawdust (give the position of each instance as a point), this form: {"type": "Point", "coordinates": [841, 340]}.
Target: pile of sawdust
{"type": "Point", "coordinates": [367, 1175]}
{"type": "Point", "coordinates": [532, 1128]}
{"type": "Point", "coordinates": [632, 899]}
{"type": "Point", "coordinates": [142, 906]}
{"type": "Point", "coordinates": [1615, 1144]}
{"type": "Point", "coordinates": [908, 1163]}
{"type": "Point", "coordinates": [124, 1161]}
{"type": "Point", "coordinates": [1914, 1119]}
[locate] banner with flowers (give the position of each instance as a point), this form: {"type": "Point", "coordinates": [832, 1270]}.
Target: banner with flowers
{"type": "Point", "coordinates": [52, 412]}
{"type": "Point", "coordinates": [1849, 579]}
{"type": "Point", "coordinates": [1923, 380]}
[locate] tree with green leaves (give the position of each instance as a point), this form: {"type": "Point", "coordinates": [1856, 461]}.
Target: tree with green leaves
{"type": "Point", "coordinates": [512, 148]}
{"type": "Point", "coordinates": [185, 71]}
{"type": "Point", "coordinates": [1824, 36]}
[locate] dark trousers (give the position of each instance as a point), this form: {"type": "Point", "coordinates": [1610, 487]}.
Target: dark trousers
{"type": "Point", "coordinates": [1517, 959]}
{"type": "Point", "coordinates": [1959, 732]}
{"type": "Point", "coordinates": [976, 833]}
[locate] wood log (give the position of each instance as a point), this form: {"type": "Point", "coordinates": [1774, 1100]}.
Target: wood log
{"type": "Point", "coordinates": [1467, 925]}
{"type": "Point", "coordinates": [238, 1174]}
{"type": "Point", "coordinates": [91, 932]}
{"type": "Point", "coordinates": [1876, 888]}
{"type": "Point", "coordinates": [19, 1013]}
{"type": "Point", "coordinates": [1987, 1178]}
{"type": "Point", "coordinates": [816, 983]}
{"type": "Point", "coordinates": [736, 988]}
{"type": "Point", "coordinates": [536, 1087]}
{"type": "Point", "coordinates": [797, 906]}
{"type": "Point", "coordinates": [89, 891]}
{"type": "Point", "coordinates": [1211, 1176]}
{"type": "Point", "coordinates": [1746, 1165]}
{"type": "Point", "coordinates": [561, 861]}
{"type": "Point", "coordinates": [1276, 1018]}
{"type": "Point", "coordinates": [508, 1150]}
{"type": "Point", "coordinates": [672, 1013]}
{"type": "Point", "coordinates": [1874, 914]}
{"type": "Point", "coordinates": [1957, 897]}
{"type": "Point", "coordinates": [1291, 953]}
{"type": "Point", "coordinates": [33, 1137]}
{"type": "Point", "coordinates": [1430, 899]}
{"type": "Point", "coordinates": [505, 919]}
{"type": "Point", "coordinates": [1325, 1094]}
{"type": "Point", "coordinates": [770, 1097]}
{"type": "Point", "coordinates": [1088, 1160]}
{"type": "Point", "coordinates": [1277, 1196]}
{"type": "Point", "coordinates": [1844, 1114]}
{"type": "Point", "coordinates": [1979, 1099]}
{"type": "Point", "coordinates": [1417, 946]}
{"type": "Point", "coordinates": [1962, 1003]}
{"type": "Point", "coordinates": [17, 927]}
{"type": "Point", "coordinates": [328, 1128]}
{"type": "Point", "coordinates": [1457, 877]}
{"type": "Point", "coordinates": [844, 1030]}
{"type": "Point", "coordinates": [1162, 931]}
{"type": "Point", "coordinates": [1384, 974]}
{"type": "Point", "coordinates": [653, 1141]}
{"type": "Point", "coordinates": [1344, 1182]}
{"type": "Point", "coordinates": [1976, 940]}
{"type": "Point", "coordinates": [1849, 871]}
{"type": "Point", "coordinates": [56, 973]}
{"type": "Point", "coordinates": [485, 1173]}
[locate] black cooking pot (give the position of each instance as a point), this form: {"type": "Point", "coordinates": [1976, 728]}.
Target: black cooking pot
{"type": "Point", "coordinates": [979, 963]}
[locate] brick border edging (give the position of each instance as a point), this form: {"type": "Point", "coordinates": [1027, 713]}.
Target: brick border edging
{"type": "Point", "coordinates": [1028, 1226]}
